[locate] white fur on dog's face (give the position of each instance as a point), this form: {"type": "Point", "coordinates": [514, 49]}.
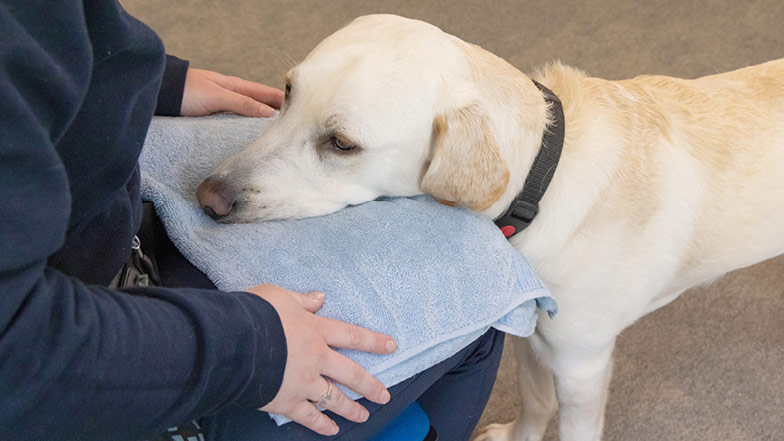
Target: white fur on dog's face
{"type": "Point", "coordinates": [373, 88]}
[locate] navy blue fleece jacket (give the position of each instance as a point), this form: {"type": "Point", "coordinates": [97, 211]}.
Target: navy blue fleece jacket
{"type": "Point", "coordinates": [79, 82]}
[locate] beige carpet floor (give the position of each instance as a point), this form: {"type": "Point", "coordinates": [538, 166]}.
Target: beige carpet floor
{"type": "Point", "coordinates": [709, 366]}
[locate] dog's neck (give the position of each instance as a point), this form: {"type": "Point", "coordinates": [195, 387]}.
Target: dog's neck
{"type": "Point", "coordinates": [580, 179]}
{"type": "Point", "coordinates": [525, 206]}
{"type": "Point", "coordinates": [519, 117]}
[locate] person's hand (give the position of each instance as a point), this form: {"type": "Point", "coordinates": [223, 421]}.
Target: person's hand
{"type": "Point", "coordinates": [311, 362]}
{"type": "Point", "coordinates": [207, 92]}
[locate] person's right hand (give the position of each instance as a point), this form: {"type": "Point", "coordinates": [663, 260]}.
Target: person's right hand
{"type": "Point", "coordinates": [311, 362]}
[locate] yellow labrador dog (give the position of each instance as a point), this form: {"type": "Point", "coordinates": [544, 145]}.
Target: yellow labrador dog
{"type": "Point", "coordinates": [663, 183]}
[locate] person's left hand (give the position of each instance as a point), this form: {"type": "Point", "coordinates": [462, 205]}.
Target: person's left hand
{"type": "Point", "coordinates": [207, 92]}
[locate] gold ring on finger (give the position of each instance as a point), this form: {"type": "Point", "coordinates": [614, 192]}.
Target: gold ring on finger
{"type": "Point", "coordinates": [327, 396]}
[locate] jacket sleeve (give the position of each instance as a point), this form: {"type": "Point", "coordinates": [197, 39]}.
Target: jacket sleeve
{"type": "Point", "coordinates": [172, 87]}
{"type": "Point", "coordinates": [85, 362]}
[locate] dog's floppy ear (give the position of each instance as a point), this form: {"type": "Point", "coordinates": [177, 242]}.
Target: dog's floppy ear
{"type": "Point", "coordinates": [466, 166]}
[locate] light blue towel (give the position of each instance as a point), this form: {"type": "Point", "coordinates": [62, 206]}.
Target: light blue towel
{"type": "Point", "coordinates": [432, 276]}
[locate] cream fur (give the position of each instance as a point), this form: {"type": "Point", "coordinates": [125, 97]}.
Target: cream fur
{"type": "Point", "coordinates": [664, 183]}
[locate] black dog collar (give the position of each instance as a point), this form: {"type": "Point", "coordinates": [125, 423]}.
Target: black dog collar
{"type": "Point", "coordinates": [524, 208]}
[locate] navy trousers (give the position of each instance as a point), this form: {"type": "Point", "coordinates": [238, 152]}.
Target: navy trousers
{"type": "Point", "coordinates": [452, 393]}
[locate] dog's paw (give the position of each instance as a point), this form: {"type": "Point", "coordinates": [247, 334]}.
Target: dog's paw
{"type": "Point", "coordinates": [495, 432]}
{"type": "Point", "coordinates": [508, 432]}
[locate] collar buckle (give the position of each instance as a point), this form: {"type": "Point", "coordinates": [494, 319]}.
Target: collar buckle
{"type": "Point", "coordinates": [518, 217]}
{"type": "Point", "coordinates": [524, 211]}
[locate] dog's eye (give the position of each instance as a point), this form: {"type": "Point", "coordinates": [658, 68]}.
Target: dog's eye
{"type": "Point", "coordinates": [341, 144]}
{"type": "Point", "coordinates": [288, 89]}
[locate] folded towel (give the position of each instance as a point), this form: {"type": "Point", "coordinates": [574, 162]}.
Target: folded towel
{"type": "Point", "coordinates": [434, 277]}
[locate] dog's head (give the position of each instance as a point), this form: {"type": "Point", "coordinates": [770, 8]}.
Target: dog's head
{"type": "Point", "coordinates": [384, 107]}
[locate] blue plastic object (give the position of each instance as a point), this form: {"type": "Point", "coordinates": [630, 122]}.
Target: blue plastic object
{"type": "Point", "coordinates": [411, 425]}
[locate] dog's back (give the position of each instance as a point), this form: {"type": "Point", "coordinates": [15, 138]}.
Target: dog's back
{"type": "Point", "coordinates": [729, 129]}
{"type": "Point", "coordinates": [697, 181]}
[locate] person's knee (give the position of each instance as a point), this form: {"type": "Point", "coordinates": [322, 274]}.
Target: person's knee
{"type": "Point", "coordinates": [487, 351]}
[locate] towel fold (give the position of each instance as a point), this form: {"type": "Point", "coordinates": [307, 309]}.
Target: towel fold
{"type": "Point", "coordinates": [434, 277]}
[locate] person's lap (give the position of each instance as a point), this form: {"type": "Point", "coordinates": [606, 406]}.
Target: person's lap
{"type": "Point", "coordinates": [452, 393]}
{"type": "Point", "coordinates": [452, 404]}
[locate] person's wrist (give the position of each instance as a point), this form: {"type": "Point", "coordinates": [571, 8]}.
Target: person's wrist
{"type": "Point", "coordinates": [172, 87]}
{"type": "Point", "coordinates": [270, 352]}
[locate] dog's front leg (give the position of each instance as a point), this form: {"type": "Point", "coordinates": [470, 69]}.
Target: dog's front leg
{"type": "Point", "coordinates": [537, 391]}
{"type": "Point", "coordinates": [582, 378]}
{"type": "Point", "coordinates": [537, 394]}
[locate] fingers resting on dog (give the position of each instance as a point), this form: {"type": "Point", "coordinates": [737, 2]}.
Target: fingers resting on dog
{"type": "Point", "coordinates": [207, 92]}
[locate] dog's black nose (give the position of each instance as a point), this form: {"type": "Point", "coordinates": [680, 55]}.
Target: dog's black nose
{"type": "Point", "coordinates": [215, 198]}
